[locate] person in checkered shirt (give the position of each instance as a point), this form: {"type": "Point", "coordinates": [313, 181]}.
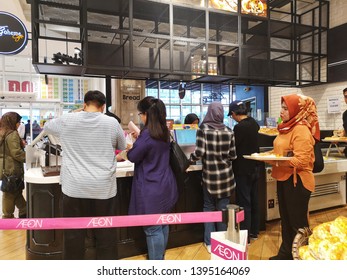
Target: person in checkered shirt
{"type": "Point", "coordinates": [215, 146]}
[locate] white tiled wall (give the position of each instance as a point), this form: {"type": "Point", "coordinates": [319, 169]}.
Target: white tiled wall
{"type": "Point", "coordinates": [338, 10]}
{"type": "Point", "coordinates": [319, 94]}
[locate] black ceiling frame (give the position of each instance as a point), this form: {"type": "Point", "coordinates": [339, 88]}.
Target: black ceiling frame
{"type": "Point", "coordinates": [131, 71]}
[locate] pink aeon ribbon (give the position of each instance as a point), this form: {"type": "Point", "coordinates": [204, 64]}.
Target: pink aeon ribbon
{"type": "Point", "coordinates": [110, 221]}
{"type": "Point", "coordinates": [240, 216]}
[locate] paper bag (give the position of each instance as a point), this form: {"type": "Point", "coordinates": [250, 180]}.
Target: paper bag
{"type": "Point", "coordinates": [224, 249]}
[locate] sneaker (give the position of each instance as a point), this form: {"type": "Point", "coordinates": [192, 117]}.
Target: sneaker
{"type": "Point", "coordinates": [208, 248]}
{"type": "Point", "coordinates": [253, 236]}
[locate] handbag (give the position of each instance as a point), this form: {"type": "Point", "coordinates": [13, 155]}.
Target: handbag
{"type": "Point", "coordinates": [10, 183]}
{"type": "Point", "coordinates": [178, 160]}
{"type": "Point", "coordinates": [318, 164]}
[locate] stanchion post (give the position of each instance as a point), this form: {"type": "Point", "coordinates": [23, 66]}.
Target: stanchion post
{"type": "Point", "coordinates": [233, 231]}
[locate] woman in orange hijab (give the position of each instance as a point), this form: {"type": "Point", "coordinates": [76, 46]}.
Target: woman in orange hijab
{"type": "Point", "coordinates": [298, 132]}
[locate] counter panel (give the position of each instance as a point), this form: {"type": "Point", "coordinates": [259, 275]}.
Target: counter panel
{"type": "Point", "coordinates": [43, 201]}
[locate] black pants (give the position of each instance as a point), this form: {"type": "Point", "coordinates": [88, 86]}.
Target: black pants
{"type": "Point", "coordinates": [74, 239]}
{"type": "Point", "coordinates": [293, 207]}
{"type": "Point", "coordinates": [247, 197]}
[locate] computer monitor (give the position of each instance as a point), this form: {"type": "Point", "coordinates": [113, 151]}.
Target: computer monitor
{"type": "Point", "coordinates": [185, 137]}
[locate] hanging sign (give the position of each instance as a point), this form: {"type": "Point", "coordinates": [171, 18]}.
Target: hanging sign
{"type": "Point", "coordinates": [13, 34]}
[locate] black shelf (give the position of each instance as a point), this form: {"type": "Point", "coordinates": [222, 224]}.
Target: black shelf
{"type": "Point", "coordinates": [162, 40]}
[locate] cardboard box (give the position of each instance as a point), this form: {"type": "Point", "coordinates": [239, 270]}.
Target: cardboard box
{"type": "Point", "coordinates": [223, 249]}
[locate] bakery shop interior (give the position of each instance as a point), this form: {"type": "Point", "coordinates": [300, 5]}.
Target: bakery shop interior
{"type": "Point", "coordinates": [275, 66]}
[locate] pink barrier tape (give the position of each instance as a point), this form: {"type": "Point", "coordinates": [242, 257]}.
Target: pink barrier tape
{"type": "Point", "coordinates": [110, 221]}
{"type": "Point", "coordinates": [240, 216]}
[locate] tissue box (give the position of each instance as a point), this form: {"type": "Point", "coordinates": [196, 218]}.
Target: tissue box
{"type": "Point", "coordinates": [224, 249]}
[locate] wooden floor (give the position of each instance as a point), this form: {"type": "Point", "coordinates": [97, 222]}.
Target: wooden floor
{"type": "Point", "coordinates": [12, 242]}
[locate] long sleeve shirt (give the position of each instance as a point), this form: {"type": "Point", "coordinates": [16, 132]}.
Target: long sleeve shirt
{"type": "Point", "coordinates": [216, 149]}
{"type": "Point", "coordinates": [300, 141]}
{"type": "Point", "coordinates": [14, 155]}
{"type": "Point", "coordinates": [246, 141]}
{"type": "Point", "coordinates": [154, 188]}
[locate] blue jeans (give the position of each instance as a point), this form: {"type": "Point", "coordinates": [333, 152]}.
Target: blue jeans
{"type": "Point", "coordinates": [247, 197]}
{"type": "Point", "coordinates": [213, 204]}
{"type": "Point", "coordinates": [156, 237]}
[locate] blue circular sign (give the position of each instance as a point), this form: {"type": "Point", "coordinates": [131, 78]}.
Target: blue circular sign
{"type": "Point", "coordinates": [13, 34]}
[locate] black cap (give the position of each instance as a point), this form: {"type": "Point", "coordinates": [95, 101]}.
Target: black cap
{"type": "Point", "coordinates": [234, 106]}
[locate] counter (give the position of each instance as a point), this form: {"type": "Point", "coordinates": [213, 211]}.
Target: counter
{"type": "Point", "coordinates": [43, 201]}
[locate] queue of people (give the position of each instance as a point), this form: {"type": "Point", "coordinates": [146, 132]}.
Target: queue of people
{"type": "Point", "coordinates": [88, 172]}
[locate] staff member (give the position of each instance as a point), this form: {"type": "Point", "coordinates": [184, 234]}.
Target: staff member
{"type": "Point", "coordinates": [191, 119]}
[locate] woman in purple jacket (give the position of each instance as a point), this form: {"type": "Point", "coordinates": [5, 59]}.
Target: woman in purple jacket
{"type": "Point", "coordinates": [154, 188]}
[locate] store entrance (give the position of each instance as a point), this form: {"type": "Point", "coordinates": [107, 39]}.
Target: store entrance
{"type": "Point", "coordinates": [37, 112]}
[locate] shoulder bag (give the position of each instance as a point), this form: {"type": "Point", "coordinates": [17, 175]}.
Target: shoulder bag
{"type": "Point", "coordinates": [178, 160]}
{"type": "Point", "coordinates": [10, 183]}
{"type": "Point", "coordinates": [318, 164]}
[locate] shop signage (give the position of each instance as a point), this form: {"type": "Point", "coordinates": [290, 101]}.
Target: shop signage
{"type": "Point", "coordinates": [333, 104]}
{"type": "Point", "coordinates": [13, 34]}
{"type": "Point", "coordinates": [129, 96]}
{"type": "Point", "coordinates": [25, 86]}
